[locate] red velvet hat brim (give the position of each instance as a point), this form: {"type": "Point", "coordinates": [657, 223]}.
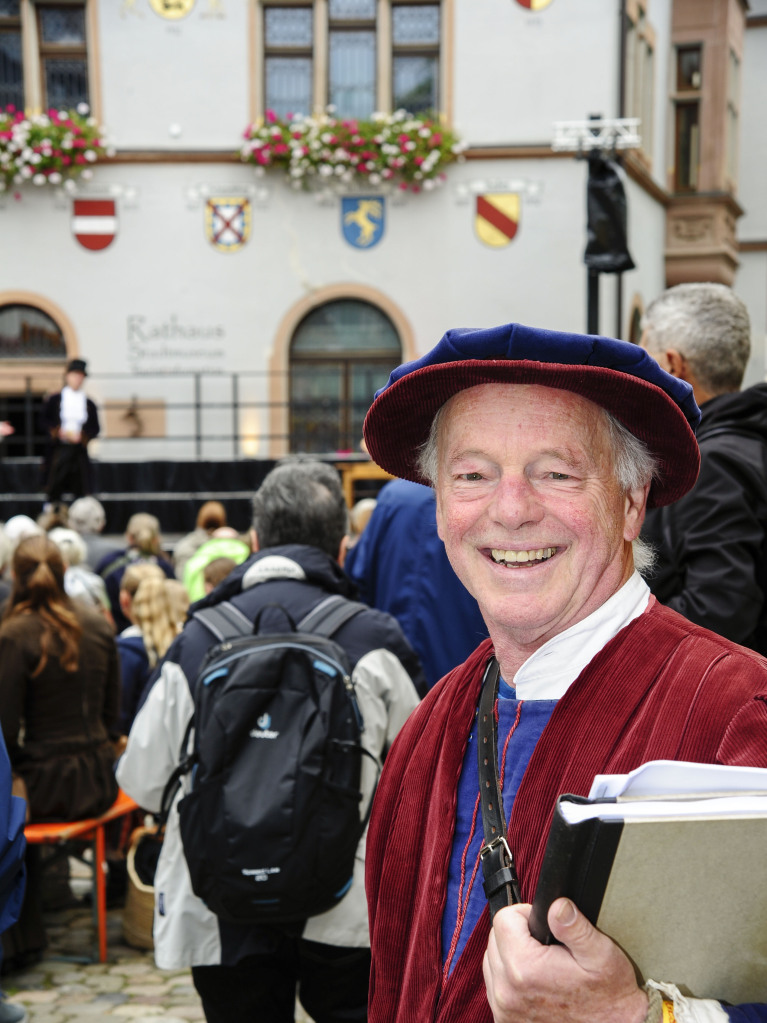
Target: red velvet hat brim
{"type": "Point", "coordinates": [400, 418]}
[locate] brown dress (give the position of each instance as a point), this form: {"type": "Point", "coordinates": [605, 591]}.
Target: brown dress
{"type": "Point", "coordinates": [66, 757]}
{"type": "Point", "coordinates": [57, 726]}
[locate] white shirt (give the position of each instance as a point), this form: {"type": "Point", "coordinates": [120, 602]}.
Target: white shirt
{"type": "Point", "coordinates": [550, 671]}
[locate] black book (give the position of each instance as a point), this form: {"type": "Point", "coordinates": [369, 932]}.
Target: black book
{"type": "Point", "coordinates": [680, 883]}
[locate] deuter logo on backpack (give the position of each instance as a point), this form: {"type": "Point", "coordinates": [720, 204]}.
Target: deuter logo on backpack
{"type": "Point", "coordinates": [264, 730]}
{"type": "Point", "coordinates": [276, 761]}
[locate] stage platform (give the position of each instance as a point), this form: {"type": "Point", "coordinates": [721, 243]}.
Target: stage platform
{"type": "Point", "coordinates": [173, 491]}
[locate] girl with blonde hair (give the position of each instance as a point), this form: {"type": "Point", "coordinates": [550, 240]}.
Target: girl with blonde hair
{"type": "Point", "coordinates": [159, 609]}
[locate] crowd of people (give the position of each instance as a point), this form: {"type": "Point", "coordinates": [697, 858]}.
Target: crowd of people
{"type": "Point", "coordinates": [558, 556]}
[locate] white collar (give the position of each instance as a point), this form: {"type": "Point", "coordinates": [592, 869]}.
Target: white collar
{"type": "Point", "coordinates": [548, 673]}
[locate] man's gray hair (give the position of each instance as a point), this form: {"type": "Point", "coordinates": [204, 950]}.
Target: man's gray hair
{"type": "Point", "coordinates": [633, 464]}
{"type": "Point", "coordinates": [301, 501]}
{"type": "Point", "coordinates": [707, 324]}
{"type": "Point", "coordinates": [87, 515]}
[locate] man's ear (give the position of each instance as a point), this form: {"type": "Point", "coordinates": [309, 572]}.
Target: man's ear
{"type": "Point", "coordinates": [343, 549]}
{"type": "Point", "coordinates": [253, 537]}
{"type": "Point", "coordinates": [677, 364]}
{"type": "Point", "coordinates": [634, 511]}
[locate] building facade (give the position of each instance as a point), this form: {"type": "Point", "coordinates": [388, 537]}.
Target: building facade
{"type": "Point", "coordinates": [225, 313]}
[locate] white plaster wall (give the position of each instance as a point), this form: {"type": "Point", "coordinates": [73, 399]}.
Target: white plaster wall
{"type": "Point", "coordinates": [191, 73]}
{"type": "Point", "coordinates": [751, 286]}
{"type": "Point", "coordinates": [752, 185]}
{"type": "Point", "coordinates": [659, 17]}
{"type": "Point", "coordinates": [517, 71]}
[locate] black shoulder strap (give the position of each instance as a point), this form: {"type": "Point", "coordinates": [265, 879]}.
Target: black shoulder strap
{"type": "Point", "coordinates": [327, 617]}
{"type": "Point", "coordinates": [224, 620]}
{"type": "Point", "coordinates": [500, 875]}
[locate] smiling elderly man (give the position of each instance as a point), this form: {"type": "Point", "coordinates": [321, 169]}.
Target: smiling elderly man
{"type": "Point", "coordinates": [544, 450]}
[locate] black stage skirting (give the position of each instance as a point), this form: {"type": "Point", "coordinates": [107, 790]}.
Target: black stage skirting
{"type": "Point", "coordinates": [173, 491]}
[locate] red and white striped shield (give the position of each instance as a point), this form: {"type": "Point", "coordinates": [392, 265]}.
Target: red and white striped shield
{"type": "Point", "coordinates": [94, 222]}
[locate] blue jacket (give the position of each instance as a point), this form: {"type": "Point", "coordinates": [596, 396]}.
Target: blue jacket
{"type": "Point", "coordinates": [400, 566]}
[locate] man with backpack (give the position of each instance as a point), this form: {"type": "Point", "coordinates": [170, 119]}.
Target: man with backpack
{"type": "Point", "coordinates": [286, 727]}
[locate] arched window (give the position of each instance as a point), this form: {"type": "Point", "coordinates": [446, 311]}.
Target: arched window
{"type": "Point", "coordinates": [340, 354]}
{"type": "Point", "coordinates": [28, 333]}
{"type": "Point", "coordinates": [28, 338]}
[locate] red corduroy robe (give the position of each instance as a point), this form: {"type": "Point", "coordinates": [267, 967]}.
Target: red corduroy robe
{"type": "Point", "coordinates": [663, 688]}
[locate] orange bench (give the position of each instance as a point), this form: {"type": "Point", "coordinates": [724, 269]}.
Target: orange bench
{"type": "Point", "coordinates": [90, 830]}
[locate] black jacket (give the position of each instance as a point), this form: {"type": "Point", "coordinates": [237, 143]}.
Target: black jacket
{"type": "Point", "coordinates": [712, 543]}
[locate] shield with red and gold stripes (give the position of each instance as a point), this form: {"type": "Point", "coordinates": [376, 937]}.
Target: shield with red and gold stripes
{"type": "Point", "coordinates": [534, 5]}
{"type": "Point", "coordinates": [497, 218]}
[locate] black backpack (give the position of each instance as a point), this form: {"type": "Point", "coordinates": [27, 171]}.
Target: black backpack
{"type": "Point", "coordinates": [272, 822]}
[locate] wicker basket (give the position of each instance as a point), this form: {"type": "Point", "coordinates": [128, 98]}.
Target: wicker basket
{"type": "Point", "coordinates": [138, 914]}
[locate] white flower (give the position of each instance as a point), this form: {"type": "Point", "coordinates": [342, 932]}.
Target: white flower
{"type": "Point", "coordinates": [63, 115]}
{"type": "Point", "coordinates": [55, 178]}
{"type": "Point", "coordinates": [35, 158]}
{"type": "Point", "coordinates": [340, 169]}
{"type": "Point", "coordinates": [39, 179]}
{"type": "Point", "coordinates": [428, 184]}
{"type": "Point", "coordinates": [89, 155]}
{"type": "Point", "coordinates": [410, 146]}
{"type": "Point", "coordinates": [91, 122]}
{"type": "Point", "coordinates": [326, 137]}
{"type": "Point", "coordinates": [69, 185]}
{"type": "Point", "coordinates": [296, 172]}
{"type": "Point", "coordinates": [87, 174]}
{"type": "Point", "coordinates": [425, 133]}
{"type": "Point", "coordinates": [375, 179]}
{"type": "Point", "coordinates": [325, 170]}
{"type": "Point", "coordinates": [83, 109]}
{"type": "Point", "coordinates": [66, 142]}
{"type": "Point", "coordinates": [26, 171]}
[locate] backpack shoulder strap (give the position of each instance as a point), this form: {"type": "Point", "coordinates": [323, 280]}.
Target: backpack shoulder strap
{"type": "Point", "coordinates": [224, 620]}
{"type": "Point", "coordinates": [327, 617]}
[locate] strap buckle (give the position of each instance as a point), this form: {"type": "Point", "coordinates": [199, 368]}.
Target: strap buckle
{"type": "Point", "coordinates": [494, 846]}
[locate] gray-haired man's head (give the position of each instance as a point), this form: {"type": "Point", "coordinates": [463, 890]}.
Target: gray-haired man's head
{"type": "Point", "coordinates": [301, 501]}
{"type": "Point", "coordinates": [709, 326]}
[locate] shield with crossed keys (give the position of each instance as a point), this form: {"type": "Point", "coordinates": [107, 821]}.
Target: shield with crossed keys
{"type": "Point", "coordinates": [227, 222]}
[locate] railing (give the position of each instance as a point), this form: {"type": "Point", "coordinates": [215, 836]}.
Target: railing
{"type": "Point", "coordinates": [187, 415]}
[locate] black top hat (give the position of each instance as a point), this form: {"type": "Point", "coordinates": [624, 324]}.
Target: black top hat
{"type": "Point", "coordinates": [77, 366]}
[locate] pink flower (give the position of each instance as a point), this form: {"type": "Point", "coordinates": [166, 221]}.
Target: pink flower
{"type": "Point", "coordinates": [271, 117]}
{"type": "Point", "coordinates": [402, 139]}
{"type": "Point", "coordinates": [66, 160]}
{"type": "Point", "coordinates": [280, 149]}
{"type": "Point", "coordinates": [80, 159]}
{"type": "Point", "coordinates": [435, 139]}
{"type": "Point", "coordinates": [419, 160]}
{"type": "Point", "coordinates": [403, 186]}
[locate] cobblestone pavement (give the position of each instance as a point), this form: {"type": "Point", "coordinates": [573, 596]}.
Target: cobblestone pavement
{"type": "Point", "coordinates": [127, 987]}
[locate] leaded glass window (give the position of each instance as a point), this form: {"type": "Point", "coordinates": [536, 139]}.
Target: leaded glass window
{"type": "Point", "coordinates": [63, 55]}
{"type": "Point", "coordinates": [29, 333]}
{"type": "Point", "coordinates": [415, 59]}
{"type": "Point", "coordinates": [11, 69]}
{"type": "Point", "coordinates": [340, 355]}
{"type": "Point", "coordinates": [288, 64]}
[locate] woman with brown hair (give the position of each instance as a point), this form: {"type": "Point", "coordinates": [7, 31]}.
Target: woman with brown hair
{"type": "Point", "coordinates": [59, 704]}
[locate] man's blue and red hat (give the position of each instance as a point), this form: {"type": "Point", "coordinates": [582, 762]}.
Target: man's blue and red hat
{"type": "Point", "coordinates": [618, 376]}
